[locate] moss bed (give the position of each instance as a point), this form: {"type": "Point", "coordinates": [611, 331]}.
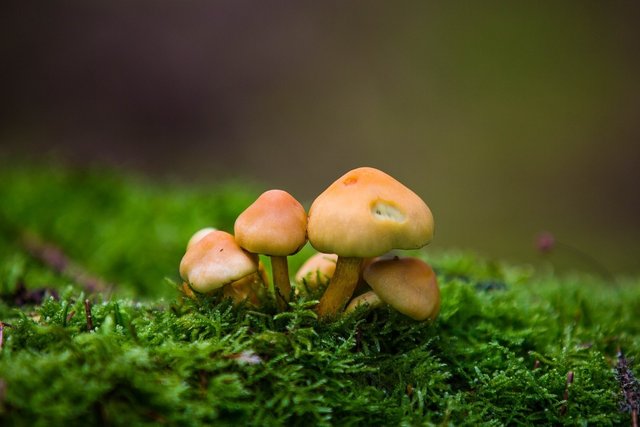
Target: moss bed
{"type": "Point", "coordinates": [511, 345]}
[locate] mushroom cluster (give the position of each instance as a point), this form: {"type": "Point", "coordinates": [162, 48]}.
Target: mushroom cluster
{"type": "Point", "coordinates": [362, 216]}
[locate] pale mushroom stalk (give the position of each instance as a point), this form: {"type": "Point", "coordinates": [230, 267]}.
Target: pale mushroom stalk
{"type": "Point", "coordinates": [341, 286]}
{"type": "Point", "coordinates": [282, 285]}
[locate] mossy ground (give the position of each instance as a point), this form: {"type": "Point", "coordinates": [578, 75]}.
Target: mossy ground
{"type": "Point", "coordinates": [499, 353]}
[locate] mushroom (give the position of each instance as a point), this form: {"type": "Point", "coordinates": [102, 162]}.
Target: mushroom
{"type": "Point", "coordinates": [214, 261]}
{"type": "Point", "coordinates": [365, 213]}
{"type": "Point", "coordinates": [274, 225]}
{"type": "Point", "coordinates": [198, 235]}
{"type": "Point", "coordinates": [370, 299]}
{"type": "Point", "coordinates": [409, 285]}
{"type": "Point", "coordinates": [316, 272]}
{"type": "Point", "coordinates": [249, 289]}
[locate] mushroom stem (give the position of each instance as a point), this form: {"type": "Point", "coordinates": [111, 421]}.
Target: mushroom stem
{"type": "Point", "coordinates": [340, 287]}
{"type": "Point", "coordinates": [249, 289]}
{"type": "Point", "coordinates": [282, 286]}
{"type": "Point", "coordinates": [186, 290]}
{"type": "Point", "coordinates": [370, 299]}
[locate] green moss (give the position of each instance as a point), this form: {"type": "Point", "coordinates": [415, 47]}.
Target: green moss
{"type": "Point", "coordinates": [499, 353]}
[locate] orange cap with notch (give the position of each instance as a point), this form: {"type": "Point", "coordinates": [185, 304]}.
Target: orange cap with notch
{"type": "Point", "coordinates": [366, 213]}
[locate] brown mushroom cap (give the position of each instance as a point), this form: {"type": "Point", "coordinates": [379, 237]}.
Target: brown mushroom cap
{"type": "Point", "coordinates": [214, 261]}
{"type": "Point", "coordinates": [366, 213]}
{"type": "Point", "coordinates": [275, 224]}
{"type": "Point", "coordinates": [317, 270]}
{"type": "Point", "coordinates": [409, 285]}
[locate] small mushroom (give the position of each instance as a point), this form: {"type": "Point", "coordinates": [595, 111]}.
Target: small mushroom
{"type": "Point", "coordinates": [316, 272]}
{"type": "Point", "coordinates": [363, 214]}
{"type": "Point", "coordinates": [214, 261]}
{"type": "Point", "coordinates": [369, 298]}
{"type": "Point", "coordinates": [409, 285]}
{"type": "Point", "coordinates": [198, 235]}
{"type": "Point", "coordinates": [314, 275]}
{"type": "Point", "coordinates": [274, 225]}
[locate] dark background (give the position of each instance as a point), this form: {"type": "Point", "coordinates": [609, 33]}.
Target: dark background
{"type": "Point", "coordinates": [507, 118]}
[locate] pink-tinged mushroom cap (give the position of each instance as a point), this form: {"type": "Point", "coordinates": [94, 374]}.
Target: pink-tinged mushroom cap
{"type": "Point", "coordinates": [275, 224]}
{"type": "Point", "coordinates": [214, 261]}
{"type": "Point", "coordinates": [198, 235]}
{"type": "Point", "coordinates": [317, 270]}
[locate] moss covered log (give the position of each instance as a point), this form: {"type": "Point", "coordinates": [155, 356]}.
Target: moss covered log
{"type": "Point", "coordinates": [499, 353]}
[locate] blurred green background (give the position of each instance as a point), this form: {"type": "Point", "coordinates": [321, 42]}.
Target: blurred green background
{"type": "Point", "coordinates": [507, 118]}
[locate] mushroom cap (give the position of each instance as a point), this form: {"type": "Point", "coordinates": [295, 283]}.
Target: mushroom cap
{"type": "Point", "coordinates": [199, 235]}
{"type": "Point", "coordinates": [366, 213]}
{"type": "Point", "coordinates": [214, 261]}
{"type": "Point", "coordinates": [275, 224]}
{"type": "Point", "coordinates": [409, 285]}
{"type": "Point", "coordinates": [369, 298]}
{"type": "Point", "coordinates": [317, 270]}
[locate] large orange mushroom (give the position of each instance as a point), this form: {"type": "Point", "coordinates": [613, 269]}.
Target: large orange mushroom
{"type": "Point", "coordinates": [365, 213]}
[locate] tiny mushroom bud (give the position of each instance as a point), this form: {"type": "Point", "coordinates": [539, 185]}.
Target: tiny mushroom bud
{"type": "Point", "coordinates": [275, 225]}
{"type": "Point", "coordinates": [316, 272]}
{"type": "Point", "coordinates": [369, 299]}
{"type": "Point", "coordinates": [214, 261]}
{"type": "Point", "coordinates": [408, 285]}
{"type": "Point", "coordinates": [198, 235]}
{"type": "Point", "coordinates": [365, 213]}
